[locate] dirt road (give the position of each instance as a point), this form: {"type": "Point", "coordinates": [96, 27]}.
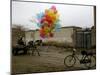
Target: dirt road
{"type": "Point", "coordinates": [51, 59]}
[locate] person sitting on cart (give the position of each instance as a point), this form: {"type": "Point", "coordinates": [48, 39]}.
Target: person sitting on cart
{"type": "Point", "coordinates": [21, 43]}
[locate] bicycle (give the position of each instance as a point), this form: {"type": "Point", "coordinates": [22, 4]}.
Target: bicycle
{"type": "Point", "coordinates": [88, 59]}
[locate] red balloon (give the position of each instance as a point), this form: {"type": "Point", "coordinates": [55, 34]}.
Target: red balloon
{"type": "Point", "coordinates": [42, 33]}
{"type": "Point", "coordinates": [43, 36]}
{"type": "Point", "coordinates": [51, 34]}
{"type": "Point", "coordinates": [42, 20]}
{"type": "Point", "coordinates": [48, 19]}
{"type": "Point", "coordinates": [49, 25]}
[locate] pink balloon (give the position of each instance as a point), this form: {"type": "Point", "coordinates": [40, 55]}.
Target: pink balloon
{"type": "Point", "coordinates": [53, 7]}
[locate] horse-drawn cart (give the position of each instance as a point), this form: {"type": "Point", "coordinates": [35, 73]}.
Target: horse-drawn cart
{"type": "Point", "coordinates": [24, 49]}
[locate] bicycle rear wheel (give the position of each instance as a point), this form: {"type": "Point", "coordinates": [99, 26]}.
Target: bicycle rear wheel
{"type": "Point", "coordinates": [92, 62]}
{"type": "Point", "coordinates": [69, 61]}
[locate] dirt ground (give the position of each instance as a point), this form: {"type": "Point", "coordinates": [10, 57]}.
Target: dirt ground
{"type": "Point", "coordinates": [51, 59]}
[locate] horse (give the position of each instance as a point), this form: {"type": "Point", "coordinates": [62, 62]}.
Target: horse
{"type": "Point", "coordinates": [33, 46]}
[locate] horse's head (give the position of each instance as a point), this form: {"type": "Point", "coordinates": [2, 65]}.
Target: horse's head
{"type": "Point", "coordinates": [38, 42]}
{"type": "Point", "coordinates": [30, 43]}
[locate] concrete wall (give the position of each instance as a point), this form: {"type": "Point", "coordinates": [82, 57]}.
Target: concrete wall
{"type": "Point", "coordinates": [29, 36]}
{"type": "Point", "coordinates": [66, 35]}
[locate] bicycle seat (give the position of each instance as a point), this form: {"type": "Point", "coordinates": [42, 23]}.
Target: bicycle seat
{"type": "Point", "coordinates": [83, 52]}
{"type": "Point", "coordinates": [86, 52]}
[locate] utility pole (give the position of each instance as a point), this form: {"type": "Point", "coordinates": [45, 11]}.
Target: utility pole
{"type": "Point", "coordinates": [94, 11]}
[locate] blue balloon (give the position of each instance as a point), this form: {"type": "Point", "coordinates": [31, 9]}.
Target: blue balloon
{"type": "Point", "coordinates": [39, 25]}
{"type": "Point", "coordinates": [57, 26]}
{"type": "Point", "coordinates": [40, 15]}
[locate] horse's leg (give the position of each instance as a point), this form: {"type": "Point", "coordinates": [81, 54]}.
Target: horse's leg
{"type": "Point", "coordinates": [33, 51]}
{"type": "Point", "coordinates": [38, 52]}
{"type": "Point", "coordinates": [28, 51]}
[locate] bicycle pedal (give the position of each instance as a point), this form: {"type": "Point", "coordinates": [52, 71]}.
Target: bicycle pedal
{"type": "Point", "coordinates": [85, 61]}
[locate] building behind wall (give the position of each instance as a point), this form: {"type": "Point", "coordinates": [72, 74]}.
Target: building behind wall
{"type": "Point", "coordinates": [93, 31]}
{"type": "Point", "coordinates": [86, 38]}
{"type": "Point", "coordinates": [17, 32]}
{"type": "Point", "coordinates": [83, 38]}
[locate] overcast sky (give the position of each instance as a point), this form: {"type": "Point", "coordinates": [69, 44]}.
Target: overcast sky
{"type": "Point", "coordinates": [70, 15]}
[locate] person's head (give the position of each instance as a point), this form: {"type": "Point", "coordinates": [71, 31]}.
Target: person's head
{"type": "Point", "coordinates": [20, 37]}
{"type": "Point", "coordinates": [74, 49]}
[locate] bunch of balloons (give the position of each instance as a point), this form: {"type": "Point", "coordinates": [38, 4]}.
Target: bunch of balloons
{"type": "Point", "coordinates": [48, 22]}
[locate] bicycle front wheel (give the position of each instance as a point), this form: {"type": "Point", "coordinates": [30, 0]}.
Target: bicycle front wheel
{"type": "Point", "coordinates": [69, 61]}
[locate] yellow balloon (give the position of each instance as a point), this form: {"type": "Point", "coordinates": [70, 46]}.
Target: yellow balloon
{"type": "Point", "coordinates": [46, 29]}
{"type": "Point", "coordinates": [57, 16]}
{"type": "Point", "coordinates": [46, 11]}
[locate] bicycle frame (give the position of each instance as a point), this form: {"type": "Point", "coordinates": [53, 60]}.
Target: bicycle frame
{"type": "Point", "coordinates": [74, 55]}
